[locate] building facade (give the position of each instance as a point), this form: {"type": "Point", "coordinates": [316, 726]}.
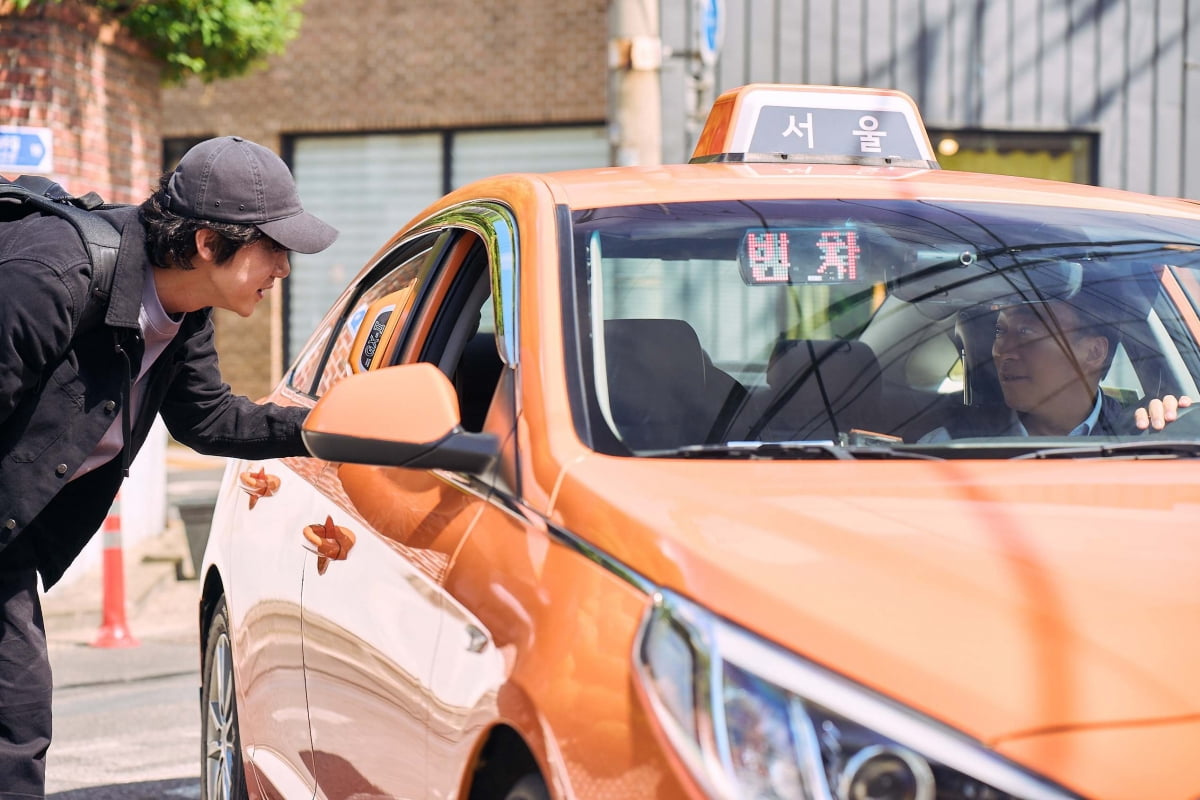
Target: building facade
{"type": "Point", "coordinates": [1118, 77]}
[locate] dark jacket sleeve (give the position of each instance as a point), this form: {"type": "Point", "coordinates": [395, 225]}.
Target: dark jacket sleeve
{"type": "Point", "coordinates": [1115, 419]}
{"type": "Point", "coordinates": [202, 412]}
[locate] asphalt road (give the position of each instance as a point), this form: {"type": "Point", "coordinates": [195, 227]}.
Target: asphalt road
{"type": "Point", "coordinates": [126, 720]}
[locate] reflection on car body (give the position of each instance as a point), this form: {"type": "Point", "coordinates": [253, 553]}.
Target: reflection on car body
{"type": "Point", "coordinates": [703, 480]}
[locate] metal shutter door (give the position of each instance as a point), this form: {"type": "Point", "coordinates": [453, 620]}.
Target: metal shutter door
{"type": "Point", "coordinates": [478, 154]}
{"type": "Point", "coordinates": [366, 187]}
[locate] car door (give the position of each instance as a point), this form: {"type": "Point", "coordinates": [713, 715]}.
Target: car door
{"type": "Point", "coordinates": [265, 572]}
{"type": "Point", "coordinates": [268, 558]}
{"type": "Point", "coordinates": [372, 620]}
{"type": "Point", "coordinates": [470, 338]}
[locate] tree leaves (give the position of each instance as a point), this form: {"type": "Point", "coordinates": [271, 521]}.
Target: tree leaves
{"type": "Point", "coordinates": [207, 38]}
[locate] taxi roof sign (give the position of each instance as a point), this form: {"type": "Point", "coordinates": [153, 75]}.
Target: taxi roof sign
{"type": "Point", "coordinates": [815, 124]}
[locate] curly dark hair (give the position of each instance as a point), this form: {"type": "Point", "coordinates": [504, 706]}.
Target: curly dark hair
{"type": "Point", "coordinates": [171, 238]}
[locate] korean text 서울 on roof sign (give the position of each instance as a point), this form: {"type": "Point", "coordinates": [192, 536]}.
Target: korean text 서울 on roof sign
{"type": "Point", "coordinates": [815, 123]}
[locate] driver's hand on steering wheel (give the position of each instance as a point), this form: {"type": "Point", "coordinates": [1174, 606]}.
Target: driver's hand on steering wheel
{"type": "Point", "coordinates": [1158, 413]}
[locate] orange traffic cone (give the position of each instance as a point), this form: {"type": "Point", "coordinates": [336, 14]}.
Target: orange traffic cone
{"type": "Point", "coordinates": [114, 632]}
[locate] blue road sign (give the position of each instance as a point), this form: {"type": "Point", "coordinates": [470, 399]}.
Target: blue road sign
{"type": "Point", "coordinates": [26, 149]}
{"type": "Point", "coordinates": [711, 26]}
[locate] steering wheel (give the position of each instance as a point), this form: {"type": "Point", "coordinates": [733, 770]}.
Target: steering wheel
{"type": "Point", "coordinates": [1185, 426]}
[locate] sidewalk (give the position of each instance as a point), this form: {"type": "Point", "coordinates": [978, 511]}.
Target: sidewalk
{"type": "Point", "coordinates": [153, 567]}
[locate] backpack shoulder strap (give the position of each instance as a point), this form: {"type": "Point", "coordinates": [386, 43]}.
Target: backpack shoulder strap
{"type": "Point", "coordinates": [32, 193]}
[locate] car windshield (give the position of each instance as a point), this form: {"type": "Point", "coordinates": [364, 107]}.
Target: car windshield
{"type": "Point", "coordinates": [864, 327]}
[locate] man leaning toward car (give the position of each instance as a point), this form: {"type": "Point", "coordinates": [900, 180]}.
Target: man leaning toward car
{"type": "Point", "coordinates": [76, 406]}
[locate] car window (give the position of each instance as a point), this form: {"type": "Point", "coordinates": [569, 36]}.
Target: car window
{"type": "Point", "coordinates": [304, 371]}
{"type": "Point", "coordinates": [375, 316]}
{"type": "Point", "coordinates": [398, 273]}
{"type": "Point", "coordinates": [875, 321]}
{"type": "Point", "coordinates": [452, 325]}
{"type": "Point", "coordinates": [461, 336]}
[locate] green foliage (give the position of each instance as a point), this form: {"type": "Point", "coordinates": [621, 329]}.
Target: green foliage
{"type": "Point", "coordinates": [207, 38]}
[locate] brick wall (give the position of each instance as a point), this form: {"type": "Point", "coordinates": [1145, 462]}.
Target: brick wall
{"type": "Point", "coordinates": [379, 65]}
{"type": "Point", "coordinates": [70, 68]}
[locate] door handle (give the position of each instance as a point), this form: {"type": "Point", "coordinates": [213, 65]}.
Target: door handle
{"type": "Point", "coordinates": [330, 542]}
{"type": "Point", "coordinates": [258, 484]}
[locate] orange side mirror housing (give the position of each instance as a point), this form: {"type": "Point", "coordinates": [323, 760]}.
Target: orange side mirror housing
{"type": "Point", "coordinates": [403, 416]}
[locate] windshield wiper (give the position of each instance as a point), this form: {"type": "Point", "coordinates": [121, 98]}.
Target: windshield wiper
{"type": "Point", "coordinates": [1171, 448]}
{"type": "Point", "coordinates": [821, 449]}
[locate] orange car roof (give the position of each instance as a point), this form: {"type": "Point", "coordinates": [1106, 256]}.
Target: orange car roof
{"type": "Point", "coordinates": [607, 187]}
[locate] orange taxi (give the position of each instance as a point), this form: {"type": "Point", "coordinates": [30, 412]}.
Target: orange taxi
{"type": "Point", "coordinates": [803, 470]}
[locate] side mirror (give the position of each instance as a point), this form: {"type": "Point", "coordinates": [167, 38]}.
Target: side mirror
{"type": "Point", "coordinates": [405, 416]}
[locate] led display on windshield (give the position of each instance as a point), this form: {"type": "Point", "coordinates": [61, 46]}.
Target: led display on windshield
{"type": "Point", "coordinates": [811, 255]}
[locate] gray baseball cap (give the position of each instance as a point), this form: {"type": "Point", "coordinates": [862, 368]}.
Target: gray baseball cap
{"type": "Point", "coordinates": [231, 179]}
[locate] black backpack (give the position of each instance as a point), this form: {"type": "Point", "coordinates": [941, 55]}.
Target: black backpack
{"type": "Point", "coordinates": [30, 194]}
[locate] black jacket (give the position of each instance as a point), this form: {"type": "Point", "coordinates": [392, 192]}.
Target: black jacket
{"type": "Point", "coordinates": [996, 420]}
{"type": "Point", "coordinates": [61, 389]}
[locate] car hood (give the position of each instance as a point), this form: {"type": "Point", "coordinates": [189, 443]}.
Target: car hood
{"type": "Point", "coordinates": [1009, 599]}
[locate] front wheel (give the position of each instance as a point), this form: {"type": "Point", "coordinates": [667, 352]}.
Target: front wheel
{"type": "Point", "coordinates": [223, 776]}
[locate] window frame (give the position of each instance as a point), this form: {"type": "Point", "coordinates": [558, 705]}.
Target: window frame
{"type": "Point", "coordinates": [326, 336]}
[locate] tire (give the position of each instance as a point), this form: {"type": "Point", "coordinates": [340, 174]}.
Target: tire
{"type": "Point", "coordinates": [530, 787]}
{"type": "Point", "coordinates": [222, 773]}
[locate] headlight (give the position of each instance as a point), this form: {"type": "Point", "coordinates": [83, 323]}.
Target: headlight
{"type": "Point", "coordinates": [755, 722]}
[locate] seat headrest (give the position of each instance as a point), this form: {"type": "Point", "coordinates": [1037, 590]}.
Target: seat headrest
{"type": "Point", "coordinates": [657, 382]}
{"type": "Point", "coordinates": [668, 346]}
{"type": "Point", "coordinates": [848, 370]}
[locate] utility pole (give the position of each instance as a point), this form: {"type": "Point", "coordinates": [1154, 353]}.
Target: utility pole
{"type": "Point", "coordinates": [635, 56]}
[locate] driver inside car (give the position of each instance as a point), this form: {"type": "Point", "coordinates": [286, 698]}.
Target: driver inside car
{"type": "Point", "coordinates": [1049, 358]}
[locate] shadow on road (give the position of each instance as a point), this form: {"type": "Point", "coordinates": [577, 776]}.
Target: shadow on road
{"type": "Point", "coordinates": [183, 789]}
